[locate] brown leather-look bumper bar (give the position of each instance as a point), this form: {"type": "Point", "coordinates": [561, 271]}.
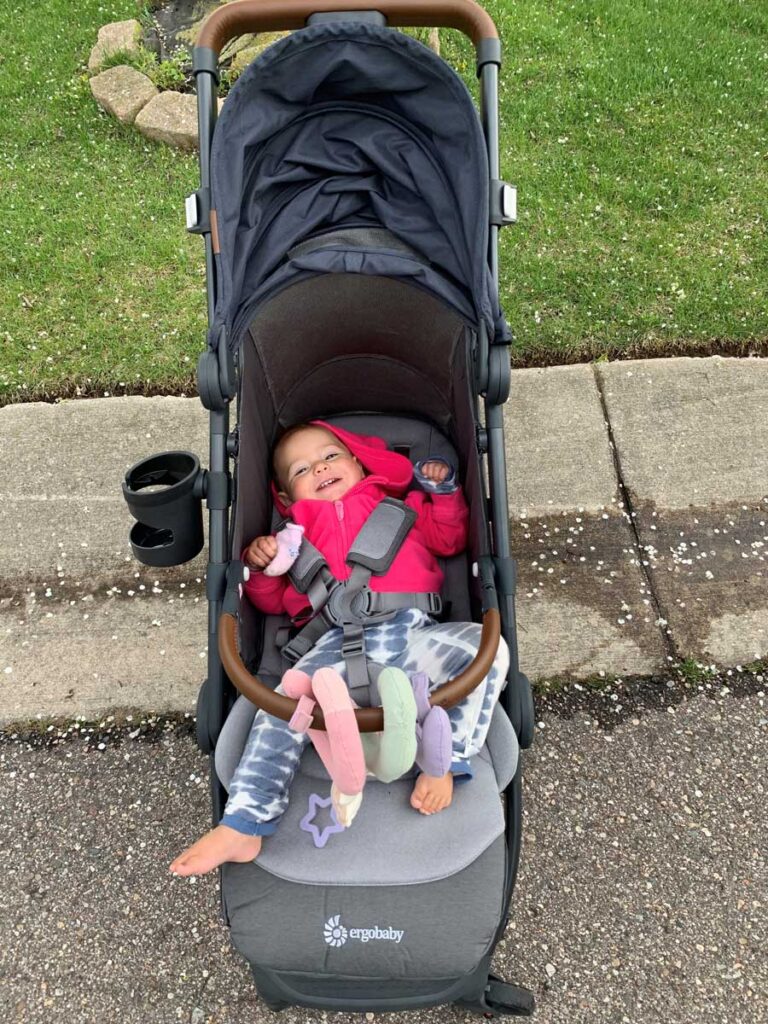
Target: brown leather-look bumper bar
{"type": "Point", "coordinates": [243, 16]}
{"type": "Point", "coordinates": [368, 719]}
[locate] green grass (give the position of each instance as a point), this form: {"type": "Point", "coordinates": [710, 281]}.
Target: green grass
{"type": "Point", "coordinates": [634, 130]}
{"type": "Point", "coordinates": [637, 134]}
{"type": "Point", "coordinates": [102, 288]}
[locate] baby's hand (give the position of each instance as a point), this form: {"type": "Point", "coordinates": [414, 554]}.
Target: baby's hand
{"type": "Point", "coordinates": [436, 471]}
{"type": "Point", "coordinates": [260, 552]}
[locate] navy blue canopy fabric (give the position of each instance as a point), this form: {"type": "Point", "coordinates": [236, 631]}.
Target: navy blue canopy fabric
{"type": "Point", "coordinates": [351, 126]}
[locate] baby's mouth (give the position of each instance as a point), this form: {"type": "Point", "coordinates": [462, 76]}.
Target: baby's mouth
{"type": "Point", "coordinates": [328, 483]}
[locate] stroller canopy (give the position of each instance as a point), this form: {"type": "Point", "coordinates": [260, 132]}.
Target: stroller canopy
{"type": "Point", "coordinates": [363, 136]}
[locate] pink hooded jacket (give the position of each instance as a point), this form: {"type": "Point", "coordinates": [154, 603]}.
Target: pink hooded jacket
{"type": "Point", "coordinates": [440, 528]}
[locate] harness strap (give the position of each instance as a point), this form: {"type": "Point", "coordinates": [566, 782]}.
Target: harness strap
{"type": "Point", "coordinates": [307, 567]}
{"type": "Point", "coordinates": [305, 639]}
{"type": "Point", "coordinates": [352, 604]}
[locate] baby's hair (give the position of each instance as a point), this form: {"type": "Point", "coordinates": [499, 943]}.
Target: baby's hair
{"type": "Point", "coordinates": [285, 436]}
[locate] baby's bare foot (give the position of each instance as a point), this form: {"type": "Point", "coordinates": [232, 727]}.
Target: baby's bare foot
{"type": "Point", "coordinates": [432, 794]}
{"type": "Point", "coordinates": [217, 846]}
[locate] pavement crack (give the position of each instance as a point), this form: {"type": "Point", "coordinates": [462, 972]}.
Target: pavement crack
{"type": "Point", "coordinates": [631, 517]}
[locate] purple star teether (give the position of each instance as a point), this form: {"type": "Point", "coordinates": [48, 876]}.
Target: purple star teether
{"type": "Point", "coordinates": [320, 838]}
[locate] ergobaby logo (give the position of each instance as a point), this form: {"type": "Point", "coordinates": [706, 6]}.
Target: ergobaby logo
{"type": "Point", "coordinates": [335, 934]}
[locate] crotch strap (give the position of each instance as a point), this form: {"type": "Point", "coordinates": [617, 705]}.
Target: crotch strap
{"type": "Point", "coordinates": [351, 604]}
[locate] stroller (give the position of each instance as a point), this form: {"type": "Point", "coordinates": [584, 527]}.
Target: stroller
{"type": "Point", "coordinates": [350, 203]}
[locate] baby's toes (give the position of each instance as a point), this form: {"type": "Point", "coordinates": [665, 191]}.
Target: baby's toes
{"type": "Point", "coordinates": [431, 802]}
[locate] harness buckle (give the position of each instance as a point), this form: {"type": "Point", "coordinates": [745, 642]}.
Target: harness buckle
{"type": "Point", "coordinates": [352, 647]}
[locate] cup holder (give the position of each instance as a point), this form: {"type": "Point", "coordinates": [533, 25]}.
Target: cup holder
{"type": "Point", "coordinates": [162, 495]}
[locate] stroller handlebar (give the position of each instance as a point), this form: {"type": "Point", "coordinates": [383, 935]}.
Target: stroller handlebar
{"type": "Point", "coordinates": [244, 16]}
{"type": "Point", "coordinates": [368, 719]}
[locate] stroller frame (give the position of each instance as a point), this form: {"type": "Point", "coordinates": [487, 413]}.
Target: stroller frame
{"type": "Point", "coordinates": [219, 384]}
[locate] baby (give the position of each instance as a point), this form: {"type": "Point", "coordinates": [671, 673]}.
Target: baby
{"type": "Point", "coordinates": [328, 481]}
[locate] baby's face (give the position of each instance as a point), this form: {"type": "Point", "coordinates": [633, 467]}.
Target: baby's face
{"type": "Point", "coordinates": [312, 463]}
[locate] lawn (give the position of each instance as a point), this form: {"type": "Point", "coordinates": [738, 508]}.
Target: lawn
{"type": "Point", "coordinates": [634, 130]}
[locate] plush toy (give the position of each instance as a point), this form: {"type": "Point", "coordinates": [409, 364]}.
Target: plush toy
{"type": "Point", "coordinates": [434, 749]}
{"type": "Point", "coordinates": [288, 544]}
{"type": "Point", "coordinates": [346, 754]}
{"type": "Point", "coordinates": [413, 731]}
{"type": "Point", "coordinates": [339, 746]}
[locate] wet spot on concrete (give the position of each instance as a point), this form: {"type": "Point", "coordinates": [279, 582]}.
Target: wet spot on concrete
{"type": "Point", "coordinates": [709, 569]}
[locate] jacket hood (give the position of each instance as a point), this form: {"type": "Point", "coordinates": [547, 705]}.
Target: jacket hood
{"type": "Point", "coordinates": [392, 471]}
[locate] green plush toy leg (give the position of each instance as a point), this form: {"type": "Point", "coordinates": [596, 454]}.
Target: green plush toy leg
{"type": "Point", "coordinates": [391, 753]}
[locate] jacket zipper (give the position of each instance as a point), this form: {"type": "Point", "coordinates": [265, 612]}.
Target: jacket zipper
{"type": "Point", "coordinates": [343, 547]}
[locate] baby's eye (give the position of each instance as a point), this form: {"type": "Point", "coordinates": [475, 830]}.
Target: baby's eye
{"type": "Point", "coordinates": [299, 471]}
{"type": "Point", "coordinates": [331, 456]}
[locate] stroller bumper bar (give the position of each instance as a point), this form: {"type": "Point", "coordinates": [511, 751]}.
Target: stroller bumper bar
{"type": "Point", "coordinates": [244, 16]}
{"type": "Point", "coordinates": [368, 719]}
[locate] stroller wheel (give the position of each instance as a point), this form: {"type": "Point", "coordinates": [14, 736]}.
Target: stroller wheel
{"type": "Point", "coordinates": [502, 1000]}
{"type": "Point", "coordinates": [204, 740]}
{"type": "Point", "coordinates": [269, 1001]}
{"type": "Point", "coordinates": [508, 1000]}
{"type": "Point", "coordinates": [275, 1006]}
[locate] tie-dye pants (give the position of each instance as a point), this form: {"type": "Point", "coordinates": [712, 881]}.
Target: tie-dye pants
{"type": "Point", "coordinates": [411, 641]}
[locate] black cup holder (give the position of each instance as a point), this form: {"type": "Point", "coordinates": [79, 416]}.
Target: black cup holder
{"type": "Point", "coordinates": [169, 529]}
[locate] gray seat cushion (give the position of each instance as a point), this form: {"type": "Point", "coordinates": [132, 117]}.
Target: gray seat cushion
{"type": "Point", "coordinates": [389, 843]}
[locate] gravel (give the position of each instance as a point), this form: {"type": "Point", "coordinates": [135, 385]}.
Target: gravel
{"type": "Point", "coordinates": [641, 895]}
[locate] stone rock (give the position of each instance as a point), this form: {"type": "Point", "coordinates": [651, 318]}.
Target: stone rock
{"type": "Point", "coordinates": [243, 57]}
{"type": "Point", "coordinates": [113, 38]}
{"type": "Point", "coordinates": [235, 46]}
{"type": "Point", "coordinates": [122, 92]}
{"type": "Point", "coordinates": [170, 117]}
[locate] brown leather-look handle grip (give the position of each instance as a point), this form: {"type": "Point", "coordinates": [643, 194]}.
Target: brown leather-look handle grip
{"type": "Point", "coordinates": [368, 719]}
{"type": "Point", "coordinates": [243, 16]}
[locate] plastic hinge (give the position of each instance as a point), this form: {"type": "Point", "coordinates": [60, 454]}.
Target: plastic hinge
{"type": "Point", "coordinates": [218, 491]}
{"type": "Point", "coordinates": [503, 203]}
{"type": "Point", "coordinates": [488, 51]}
{"type": "Point", "coordinates": [198, 211]}
{"type": "Point", "coordinates": [217, 377]}
{"type": "Point", "coordinates": [207, 60]}
{"type": "Point", "coordinates": [499, 375]}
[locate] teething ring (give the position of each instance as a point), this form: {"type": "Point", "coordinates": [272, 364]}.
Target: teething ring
{"type": "Point", "coordinates": [368, 719]}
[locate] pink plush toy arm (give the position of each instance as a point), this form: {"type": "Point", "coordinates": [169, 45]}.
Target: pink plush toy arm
{"type": "Point", "coordinates": [288, 544]}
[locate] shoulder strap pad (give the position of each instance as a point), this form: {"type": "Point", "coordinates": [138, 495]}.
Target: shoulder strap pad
{"type": "Point", "coordinates": [306, 567]}
{"type": "Point", "coordinates": [381, 536]}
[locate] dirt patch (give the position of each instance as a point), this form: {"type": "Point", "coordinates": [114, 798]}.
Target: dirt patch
{"type": "Point", "coordinates": [597, 350]}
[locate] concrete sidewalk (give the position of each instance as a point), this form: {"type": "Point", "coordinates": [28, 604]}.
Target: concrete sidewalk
{"type": "Point", "coordinates": [638, 507]}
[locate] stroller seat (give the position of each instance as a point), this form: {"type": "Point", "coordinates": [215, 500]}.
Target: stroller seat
{"type": "Point", "coordinates": [406, 848]}
{"type": "Point", "coordinates": [362, 880]}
